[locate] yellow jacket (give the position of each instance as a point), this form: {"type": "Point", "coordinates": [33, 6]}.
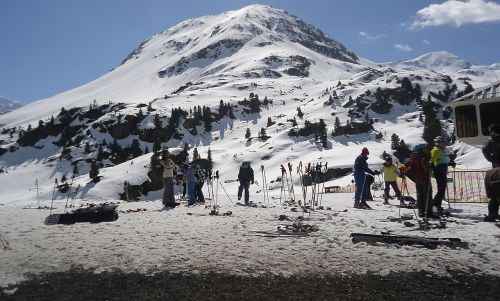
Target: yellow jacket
{"type": "Point", "coordinates": [390, 172]}
{"type": "Point", "coordinates": [439, 156]}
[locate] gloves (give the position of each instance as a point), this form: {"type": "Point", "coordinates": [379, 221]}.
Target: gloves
{"type": "Point", "coordinates": [252, 182]}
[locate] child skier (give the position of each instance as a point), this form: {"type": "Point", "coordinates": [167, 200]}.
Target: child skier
{"type": "Point", "coordinates": [390, 172]}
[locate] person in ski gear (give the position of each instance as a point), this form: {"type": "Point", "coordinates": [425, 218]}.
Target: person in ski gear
{"type": "Point", "coordinates": [439, 163]}
{"type": "Point", "coordinates": [191, 182]}
{"type": "Point", "coordinates": [492, 185]}
{"type": "Point", "coordinates": [245, 177]}
{"type": "Point", "coordinates": [390, 172]}
{"type": "Point", "coordinates": [200, 174]}
{"type": "Point", "coordinates": [418, 170]}
{"type": "Point", "coordinates": [491, 151]}
{"type": "Point", "coordinates": [168, 179]}
{"type": "Point", "coordinates": [361, 170]}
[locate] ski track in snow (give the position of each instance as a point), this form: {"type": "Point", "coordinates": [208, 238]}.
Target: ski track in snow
{"type": "Point", "coordinates": [188, 239]}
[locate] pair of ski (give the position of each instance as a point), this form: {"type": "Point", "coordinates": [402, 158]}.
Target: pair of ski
{"type": "Point", "coordinates": [316, 174]}
{"type": "Point", "coordinates": [289, 183]}
{"type": "Point", "coordinates": [403, 240]}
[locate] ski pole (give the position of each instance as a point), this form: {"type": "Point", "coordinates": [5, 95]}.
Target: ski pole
{"type": "Point", "coordinates": [291, 179]}
{"type": "Point", "coordinates": [283, 179]}
{"type": "Point", "coordinates": [263, 182]}
{"type": "Point", "coordinates": [74, 196]}
{"type": "Point", "coordinates": [220, 183]}
{"type": "Point", "coordinates": [216, 188]}
{"type": "Point", "coordinates": [53, 196]}
{"type": "Point", "coordinates": [37, 195]}
{"type": "Point", "coordinates": [69, 193]}
{"type": "Point", "coordinates": [283, 172]}
{"type": "Point", "coordinates": [267, 188]}
{"type": "Point", "coordinates": [323, 184]}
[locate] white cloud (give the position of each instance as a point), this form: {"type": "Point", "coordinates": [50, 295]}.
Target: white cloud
{"type": "Point", "coordinates": [403, 47]}
{"type": "Point", "coordinates": [426, 42]}
{"type": "Point", "coordinates": [457, 13]}
{"type": "Point", "coordinates": [370, 37]}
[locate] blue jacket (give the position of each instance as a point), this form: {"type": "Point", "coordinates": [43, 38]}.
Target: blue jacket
{"type": "Point", "coordinates": [361, 167]}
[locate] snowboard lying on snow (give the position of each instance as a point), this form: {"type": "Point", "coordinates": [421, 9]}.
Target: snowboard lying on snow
{"type": "Point", "coordinates": [409, 240]}
{"type": "Point", "coordinates": [91, 214]}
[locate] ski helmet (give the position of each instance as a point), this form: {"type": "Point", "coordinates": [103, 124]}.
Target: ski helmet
{"type": "Point", "coordinates": [439, 139]}
{"type": "Point", "coordinates": [420, 147]}
{"type": "Point", "coordinates": [388, 159]}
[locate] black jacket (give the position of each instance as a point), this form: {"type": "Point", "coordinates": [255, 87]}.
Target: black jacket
{"type": "Point", "coordinates": [245, 175]}
{"type": "Point", "coordinates": [491, 151]}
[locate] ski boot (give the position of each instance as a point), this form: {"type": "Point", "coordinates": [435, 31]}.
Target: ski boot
{"type": "Point", "coordinates": [364, 205]}
{"type": "Point", "coordinates": [491, 218]}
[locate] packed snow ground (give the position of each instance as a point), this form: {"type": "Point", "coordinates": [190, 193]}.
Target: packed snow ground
{"type": "Point", "coordinates": [189, 239]}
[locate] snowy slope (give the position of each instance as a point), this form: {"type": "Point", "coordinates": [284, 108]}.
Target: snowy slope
{"type": "Point", "coordinates": [199, 62]}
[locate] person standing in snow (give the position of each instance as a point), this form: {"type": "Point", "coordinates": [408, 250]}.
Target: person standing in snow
{"type": "Point", "coordinates": [200, 180]}
{"type": "Point", "coordinates": [418, 170]}
{"type": "Point", "coordinates": [168, 179]}
{"type": "Point", "coordinates": [439, 162]}
{"type": "Point", "coordinates": [245, 177]}
{"type": "Point", "coordinates": [390, 172]}
{"type": "Point", "coordinates": [191, 182]}
{"type": "Point", "coordinates": [361, 171]}
{"type": "Point", "coordinates": [491, 151]}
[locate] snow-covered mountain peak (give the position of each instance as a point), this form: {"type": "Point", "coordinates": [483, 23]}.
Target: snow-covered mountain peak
{"type": "Point", "coordinates": [7, 105]}
{"type": "Point", "coordinates": [438, 61]}
{"type": "Point", "coordinates": [261, 23]}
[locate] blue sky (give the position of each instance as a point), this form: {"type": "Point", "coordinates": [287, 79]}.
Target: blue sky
{"type": "Point", "coordinates": [50, 46]}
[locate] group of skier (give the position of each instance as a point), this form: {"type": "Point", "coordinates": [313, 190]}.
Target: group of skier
{"type": "Point", "coordinates": [192, 177]}
{"type": "Point", "coordinates": [424, 163]}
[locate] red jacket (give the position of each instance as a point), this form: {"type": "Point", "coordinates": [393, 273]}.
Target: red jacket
{"type": "Point", "coordinates": [418, 168]}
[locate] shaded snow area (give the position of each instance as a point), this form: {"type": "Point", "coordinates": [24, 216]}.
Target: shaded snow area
{"type": "Point", "coordinates": [189, 239]}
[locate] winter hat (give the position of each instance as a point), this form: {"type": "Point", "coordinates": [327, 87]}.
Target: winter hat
{"type": "Point", "coordinates": [365, 151]}
{"type": "Point", "coordinates": [388, 159]}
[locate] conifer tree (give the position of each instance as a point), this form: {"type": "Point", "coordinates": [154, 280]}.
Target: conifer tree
{"type": "Point", "coordinates": [394, 141]}
{"type": "Point", "coordinates": [209, 158]}
{"type": "Point", "coordinates": [263, 133]}
{"type": "Point", "coordinates": [336, 124]}
{"type": "Point", "coordinates": [94, 171]}
{"type": "Point", "coordinates": [196, 155]}
{"type": "Point", "coordinates": [299, 112]}
{"type": "Point", "coordinates": [135, 148]}
{"type": "Point", "coordinates": [87, 148]}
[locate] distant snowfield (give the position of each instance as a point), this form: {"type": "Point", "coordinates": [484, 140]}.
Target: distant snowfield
{"type": "Point", "coordinates": [188, 239]}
